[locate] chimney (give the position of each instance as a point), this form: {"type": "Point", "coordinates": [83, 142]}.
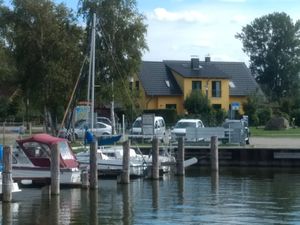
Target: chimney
{"type": "Point", "coordinates": [195, 63]}
{"type": "Point", "coordinates": [207, 58]}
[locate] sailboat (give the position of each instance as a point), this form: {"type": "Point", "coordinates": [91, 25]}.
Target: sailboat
{"type": "Point", "coordinates": [107, 165]}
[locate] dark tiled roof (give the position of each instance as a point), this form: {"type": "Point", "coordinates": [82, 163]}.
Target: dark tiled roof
{"type": "Point", "coordinates": [241, 77]}
{"type": "Point", "coordinates": [206, 70]}
{"type": "Point", "coordinates": [155, 76]}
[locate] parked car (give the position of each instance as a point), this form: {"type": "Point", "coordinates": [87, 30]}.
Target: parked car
{"type": "Point", "coordinates": [81, 127]}
{"type": "Point", "coordinates": [240, 131]}
{"type": "Point", "coordinates": [104, 120]}
{"type": "Point", "coordinates": [159, 127]}
{"type": "Point", "coordinates": [179, 130]}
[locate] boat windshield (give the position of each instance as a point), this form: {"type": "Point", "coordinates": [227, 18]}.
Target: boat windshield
{"type": "Point", "coordinates": [65, 150]}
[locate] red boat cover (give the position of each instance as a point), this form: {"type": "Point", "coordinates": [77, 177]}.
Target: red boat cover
{"type": "Point", "coordinates": [67, 157]}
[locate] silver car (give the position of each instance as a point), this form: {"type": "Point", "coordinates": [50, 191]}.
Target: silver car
{"type": "Point", "coordinates": [98, 130]}
{"type": "Point", "coordinates": [80, 129]}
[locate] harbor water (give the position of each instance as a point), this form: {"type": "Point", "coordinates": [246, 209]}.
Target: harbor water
{"type": "Point", "coordinates": [234, 196]}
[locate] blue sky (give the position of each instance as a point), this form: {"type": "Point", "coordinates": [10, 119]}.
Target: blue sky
{"type": "Point", "coordinates": [178, 29]}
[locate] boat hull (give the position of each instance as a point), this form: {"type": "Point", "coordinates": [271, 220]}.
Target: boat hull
{"type": "Point", "coordinates": [43, 175]}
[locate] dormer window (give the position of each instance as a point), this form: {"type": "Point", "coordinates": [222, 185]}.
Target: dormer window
{"type": "Point", "coordinates": [167, 83]}
{"type": "Point", "coordinates": [231, 84]}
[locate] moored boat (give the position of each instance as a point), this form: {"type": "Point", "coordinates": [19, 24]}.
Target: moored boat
{"type": "Point", "coordinates": [32, 157]}
{"type": "Point", "coordinates": [111, 164]}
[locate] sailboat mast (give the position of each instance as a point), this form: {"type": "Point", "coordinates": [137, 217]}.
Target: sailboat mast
{"type": "Point", "coordinates": [92, 70]}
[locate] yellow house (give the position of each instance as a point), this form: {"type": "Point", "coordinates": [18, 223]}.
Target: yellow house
{"type": "Point", "coordinates": [166, 84]}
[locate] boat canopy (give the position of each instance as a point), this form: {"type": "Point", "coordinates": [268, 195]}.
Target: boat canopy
{"type": "Point", "coordinates": [38, 149]}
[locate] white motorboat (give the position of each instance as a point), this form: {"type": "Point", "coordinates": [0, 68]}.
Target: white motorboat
{"type": "Point", "coordinates": [32, 156]}
{"type": "Point", "coordinates": [165, 159]}
{"type": "Point", "coordinates": [110, 163]}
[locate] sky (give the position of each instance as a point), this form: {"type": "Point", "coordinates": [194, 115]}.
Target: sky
{"type": "Point", "coordinates": [180, 29]}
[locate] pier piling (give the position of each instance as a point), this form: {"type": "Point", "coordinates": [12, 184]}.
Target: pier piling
{"type": "Point", "coordinates": [125, 178]}
{"type": "Point", "coordinates": [214, 153]}
{"type": "Point", "coordinates": [85, 179]}
{"type": "Point", "coordinates": [7, 181]}
{"type": "Point", "coordinates": [180, 158]}
{"type": "Point", "coordinates": [155, 161]}
{"type": "Point", "coordinates": [55, 170]}
{"type": "Point", "coordinates": [93, 165]}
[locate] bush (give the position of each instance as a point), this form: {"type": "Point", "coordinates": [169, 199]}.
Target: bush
{"type": "Point", "coordinates": [264, 115]}
{"type": "Point", "coordinates": [296, 114]}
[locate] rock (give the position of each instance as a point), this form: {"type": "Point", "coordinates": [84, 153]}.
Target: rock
{"type": "Point", "coordinates": [277, 123]}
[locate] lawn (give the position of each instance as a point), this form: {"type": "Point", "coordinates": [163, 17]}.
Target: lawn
{"type": "Point", "coordinates": [261, 132]}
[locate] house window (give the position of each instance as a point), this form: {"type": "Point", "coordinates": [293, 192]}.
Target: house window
{"type": "Point", "coordinates": [196, 85]}
{"type": "Point", "coordinates": [170, 106]}
{"type": "Point", "coordinates": [216, 89]}
{"type": "Point", "coordinates": [216, 106]}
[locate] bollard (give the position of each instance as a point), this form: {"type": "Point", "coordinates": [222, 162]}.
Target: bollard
{"type": "Point", "coordinates": [155, 162]}
{"type": "Point", "coordinates": [180, 157]}
{"type": "Point", "coordinates": [55, 170]}
{"type": "Point", "coordinates": [214, 153]}
{"type": "Point", "coordinates": [93, 165]}
{"type": "Point", "coordinates": [125, 176]}
{"type": "Point", "coordinates": [7, 175]}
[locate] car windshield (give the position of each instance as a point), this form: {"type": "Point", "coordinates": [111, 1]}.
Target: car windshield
{"type": "Point", "coordinates": [137, 123]}
{"type": "Point", "coordinates": [185, 124]}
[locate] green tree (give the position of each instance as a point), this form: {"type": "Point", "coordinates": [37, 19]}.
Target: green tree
{"type": "Point", "coordinates": [273, 44]}
{"type": "Point", "coordinates": [45, 41]}
{"type": "Point", "coordinates": [250, 108]}
{"type": "Point", "coordinates": [198, 105]}
{"type": "Point", "coordinates": [120, 44]}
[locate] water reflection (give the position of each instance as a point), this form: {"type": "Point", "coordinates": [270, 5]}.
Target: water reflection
{"type": "Point", "coordinates": [155, 194]}
{"type": "Point", "coordinates": [93, 194]}
{"type": "Point", "coordinates": [7, 213]}
{"type": "Point", "coordinates": [54, 209]}
{"type": "Point", "coordinates": [126, 204]}
{"type": "Point", "coordinates": [232, 196]}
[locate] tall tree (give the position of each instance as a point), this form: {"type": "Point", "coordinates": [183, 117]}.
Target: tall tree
{"type": "Point", "coordinates": [273, 44]}
{"type": "Point", "coordinates": [45, 41]}
{"type": "Point", "coordinates": [119, 45]}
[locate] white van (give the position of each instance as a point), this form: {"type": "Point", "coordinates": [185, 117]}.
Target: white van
{"type": "Point", "coordinates": [159, 127]}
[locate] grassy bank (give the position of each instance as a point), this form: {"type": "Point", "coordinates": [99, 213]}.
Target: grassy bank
{"type": "Point", "coordinates": [261, 132]}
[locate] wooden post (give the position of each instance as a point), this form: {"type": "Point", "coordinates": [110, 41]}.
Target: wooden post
{"type": "Point", "coordinates": [93, 165]}
{"type": "Point", "coordinates": [7, 175]}
{"type": "Point", "coordinates": [55, 170]}
{"type": "Point", "coordinates": [125, 175]}
{"type": "Point", "coordinates": [155, 161]}
{"type": "Point", "coordinates": [180, 157]}
{"type": "Point", "coordinates": [85, 179]}
{"type": "Point", "coordinates": [214, 153]}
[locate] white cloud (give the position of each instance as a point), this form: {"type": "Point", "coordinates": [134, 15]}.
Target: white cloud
{"type": "Point", "coordinates": [191, 16]}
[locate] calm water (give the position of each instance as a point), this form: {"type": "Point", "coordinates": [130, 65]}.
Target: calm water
{"type": "Point", "coordinates": [236, 196]}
